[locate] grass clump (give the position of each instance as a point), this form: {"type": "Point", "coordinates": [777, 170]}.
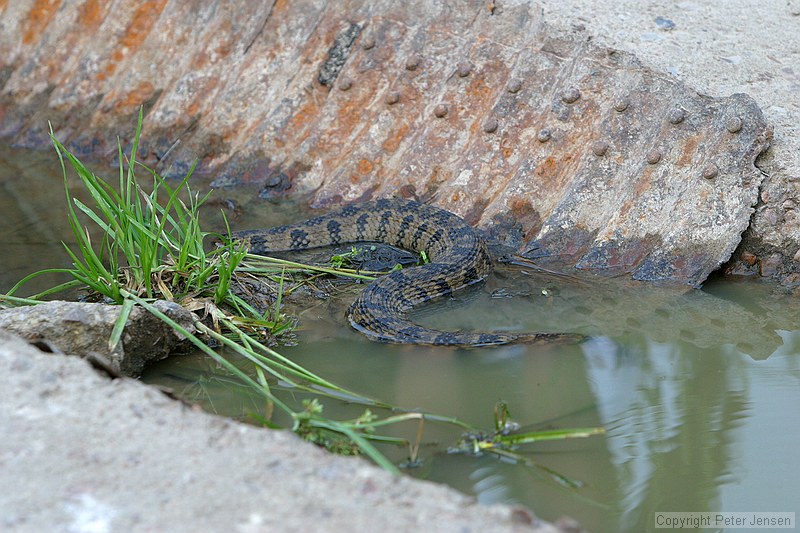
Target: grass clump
{"type": "Point", "coordinates": [151, 246]}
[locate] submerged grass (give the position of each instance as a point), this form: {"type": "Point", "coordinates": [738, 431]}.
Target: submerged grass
{"type": "Point", "coordinates": [151, 246]}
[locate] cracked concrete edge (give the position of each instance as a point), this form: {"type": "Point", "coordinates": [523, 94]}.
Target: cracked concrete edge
{"type": "Point", "coordinates": [724, 48]}
{"type": "Point", "coordinates": [84, 329]}
{"type": "Point", "coordinates": [83, 452]}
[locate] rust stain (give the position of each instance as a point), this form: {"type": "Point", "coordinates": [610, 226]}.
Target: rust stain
{"type": "Point", "coordinates": [201, 97]}
{"type": "Point", "coordinates": [3, 4]}
{"type": "Point", "coordinates": [689, 149]}
{"type": "Point", "coordinates": [92, 14]}
{"type": "Point", "coordinates": [365, 166]}
{"type": "Point", "coordinates": [306, 114]}
{"type": "Point", "coordinates": [547, 169]}
{"type": "Point", "coordinates": [224, 49]}
{"type": "Point", "coordinates": [506, 147]}
{"type": "Point", "coordinates": [297, 124]}
{"type": "Point", "coordinates": [479, 90]}
{"type": "Point", "coordinates": [142, 22]}
{"type": "Point", "coordinates": [641, 186]}
{"type": "Point", "coordinates": [200, 60]}
{"type": "Point", "coordinates": [644, 182]}
{"type": "Point", "coordinates": [350, 115]}
{"type": "Point", "coordinates": [280, 7]}
{"type": "Point", "coordinates": [38, 18]}
{"type": "Point", "coordinates": [392, 143]}
{"type": "Point", "coordinates": [625, 208]}
{"type": "Point", "coordinates": [136, 97]}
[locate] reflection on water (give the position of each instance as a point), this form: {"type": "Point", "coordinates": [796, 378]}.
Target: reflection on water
{"type": "Point", "coordinates": [698, 390]}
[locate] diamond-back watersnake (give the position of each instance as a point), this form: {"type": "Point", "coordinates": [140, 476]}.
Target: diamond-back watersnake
{"type": "Point", "coordinates": [458, 258]}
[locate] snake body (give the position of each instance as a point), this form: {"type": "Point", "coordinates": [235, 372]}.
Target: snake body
{"type": "Point", "coordinates": [458, 258]}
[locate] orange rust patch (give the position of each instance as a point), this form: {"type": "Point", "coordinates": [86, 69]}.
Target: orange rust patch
{"type": "Point", "coordinates": [136, 97]}
{"type": "Point", "coordinates": [350, 115]}
{"type": "Point", "coordinates": [392, 143]}
{"type": "Point", "coordinates": [365, 166]}
{"type": "Point", "coordinates": [479, 90]}
{"type": "Point", "coordinates": [201, 97]}
{"type": "Point", "coordinates": [38, 18]}
{"type": "Point", "coordinates": [306, 114]}
{"type": "Point", "coordinates": [142, 22]}
{"type": "Point", "coordinates": [279, 6]}
{"type": "Point", "coordinates": [92, 14]}
{"type": "Point", "coordinates": [200, 60]}
{"type": "Point", "coordinates": [224, 49]}
{"type": "Point", "coordinates": [548, 168]}
{"type": "Point", "coordinates": [689, 149]}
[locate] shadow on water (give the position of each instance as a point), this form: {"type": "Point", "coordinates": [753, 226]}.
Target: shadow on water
{"type": "Point", "coordinates": [698, 390]}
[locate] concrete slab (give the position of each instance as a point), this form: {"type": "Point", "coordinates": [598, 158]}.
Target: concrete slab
{"type": "Point", "coordinates": [83, 453]}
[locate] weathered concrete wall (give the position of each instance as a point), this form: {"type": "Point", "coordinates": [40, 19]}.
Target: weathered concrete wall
{"type": "Point", "coordinates": [566, 151]}
{"type": "Point", "coordinates": [722, 48]}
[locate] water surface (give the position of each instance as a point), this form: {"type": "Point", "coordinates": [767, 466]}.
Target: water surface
{"type": "Point", "coordinates": [698, 390]}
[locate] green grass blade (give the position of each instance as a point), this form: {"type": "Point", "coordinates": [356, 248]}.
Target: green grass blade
{"type": "Point", "coordinates": [119, 325]}
{"type": "Point", "coordinates": [516, 439]}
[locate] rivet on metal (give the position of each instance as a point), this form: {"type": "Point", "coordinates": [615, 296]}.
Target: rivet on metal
{"type": "Point", "coordinates": [710, 171]}
{"type": "Point", "coordinates": [413, 62]}
{"type": "Point", "coordinates": [515, 85]}
{"type": "Point", "coordinates": [676, 115]}
{"type": "Point", "coordinates": [570, 96]}
{"type": "Point", "coordinates": [653, 156]}
{"type": "Point", "coordinates": [392, 98]}
{"type": "Point", "coordinates": [440, 110]}
{"type": "Point", "coordinates": [734, 124]}
{"type": "Point", "coordinates": [543, 136]}
{"type": "Point", "coordinates": [463, 69]}
{"type": "Point", "coordinates": [368, 43]}
{"type": "Point", "coordinates": [600, 148]}
{"type": "Point", "coordinates": [345, 84]}
{"type": "Point", "coordinates": [621, 105]}
{"type": "Point", "coordinates": [490, 125]}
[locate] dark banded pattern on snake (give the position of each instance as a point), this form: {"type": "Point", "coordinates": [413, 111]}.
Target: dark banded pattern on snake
{"type": "Point", "coordinates": [458, 258]}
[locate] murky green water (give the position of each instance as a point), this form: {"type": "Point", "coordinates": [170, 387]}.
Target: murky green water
{"type": "Point", "coordinates": [698, 390]}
